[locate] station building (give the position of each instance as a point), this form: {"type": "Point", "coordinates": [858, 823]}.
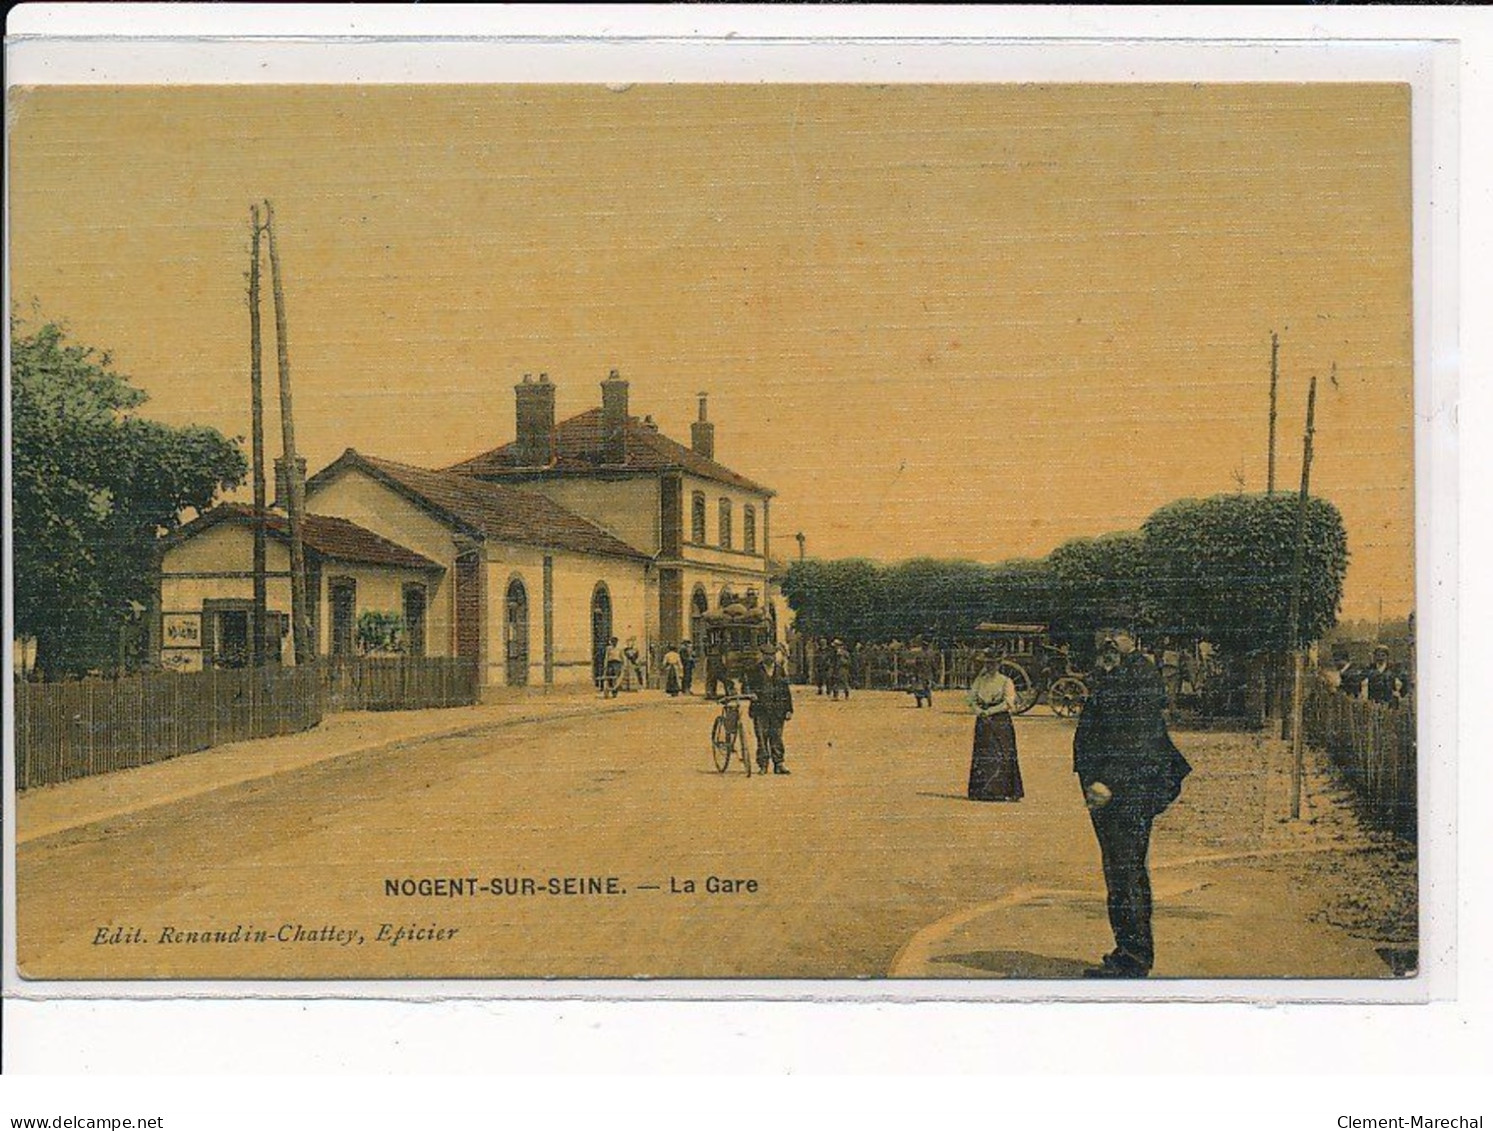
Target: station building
{"type": "Point", "coordinates": [525, 558]}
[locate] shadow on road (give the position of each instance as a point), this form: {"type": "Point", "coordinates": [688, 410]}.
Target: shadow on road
{"type": "Point", "coordinates": [1013, 964]}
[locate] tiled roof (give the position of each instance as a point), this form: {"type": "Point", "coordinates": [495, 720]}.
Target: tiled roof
{"type": "Point", "coordinates": [497, 511]}
{"type": "Point", "coordinates": [578, 439]}
{"type": "Point", "coordinates": [323, 534]}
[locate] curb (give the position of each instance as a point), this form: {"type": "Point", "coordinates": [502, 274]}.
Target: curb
{"type": "Point", "coordinates": [454, 731]}
{"type": "Point", "coordinates": [912, 959]}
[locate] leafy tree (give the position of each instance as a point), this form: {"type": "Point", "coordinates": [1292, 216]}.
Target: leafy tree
{"type": "Point", "coordinates": [936, 599]}
{"type": "Point", "coordinates": [93, 486]}
{"type": "Point", "coordinates": [1019, 591]}
{"type": "Point", "coordinates": [940, 600]}
{"type": "Point", "coordinates": [1217, 569]}
{"type": "Point", "coordinates": [1222, 568]}
{"type": "Point", "coordinates": [1100, 581]}
{"type": "Point", "coordinates": [842, 598]}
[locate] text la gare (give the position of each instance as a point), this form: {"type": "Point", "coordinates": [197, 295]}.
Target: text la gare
{"type": "Point", "coordinates": [714, 885]}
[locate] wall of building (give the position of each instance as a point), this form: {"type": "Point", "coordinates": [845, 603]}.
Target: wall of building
{"type": "Point", "coordinates": [212, 566]}
{"type": "Point", "coordinates": [714, 492]}
{"type": "Point", "coordinates": [628, 509]}
{"type": "Point", "coordinates": [378, 589]}
{"type": "Point", "coordinates": [575, 577]}
{"type": "Point", "coordinates": [359, 498]}
{"type": "Point", "coordinates": [216, 565]}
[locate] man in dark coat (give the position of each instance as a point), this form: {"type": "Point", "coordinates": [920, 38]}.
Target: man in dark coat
{"type": "Point", "coordinates": [1130, 772]}
{"type": "Point", "coordinates": [772, 706]}
{"type": "Point", "coordinates": [1380, 682]}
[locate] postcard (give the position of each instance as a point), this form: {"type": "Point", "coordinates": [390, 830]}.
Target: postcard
{"type": "Point", "coordinates": [925, 536]}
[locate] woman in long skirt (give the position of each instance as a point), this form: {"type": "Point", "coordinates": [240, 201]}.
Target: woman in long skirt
{"type": "Point", "coordinates": [994, 774]}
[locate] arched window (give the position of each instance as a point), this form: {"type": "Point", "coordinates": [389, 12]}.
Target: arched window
{"type": "Point", "coordinates": [516, 633]}
{"type": "Point", "coordinates": [697, 518]}
{"type": "Point", "coordinates": [749, 529]}
{"type": "Point", "coordinates": [601, 628]}
{"type": "Point", "coordinates": [725, 539]}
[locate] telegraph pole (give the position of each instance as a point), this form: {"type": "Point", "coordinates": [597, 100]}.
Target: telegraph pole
{"type": "Point", "coordinates": [1274, 385]}
{"type": "Point", "coordinates": [295, 487]}
{"type": "Point", "coordinates": [1298, 652]}
{"type": "Point", "coordinates": [256, 386]}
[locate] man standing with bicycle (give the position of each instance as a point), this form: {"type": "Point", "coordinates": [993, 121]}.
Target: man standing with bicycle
{"type": "Point", "coordinates": [772, 706]}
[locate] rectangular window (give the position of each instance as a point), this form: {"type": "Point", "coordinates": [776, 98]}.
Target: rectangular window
{"type": "Point", "coordinates": [414, 619]}
{"type": "Point", "coordinates": [697, 519]}
{"type": "Point", "coordinates": [725, 524]}
{"type": "Point", "coordinates": [749, 529]}
{"type": "Point", "coordinates": [226, 632]}
{"type": "Point", "coordinates": [342, 594]}
{"type": "Point", "coordinates": [233, 640]}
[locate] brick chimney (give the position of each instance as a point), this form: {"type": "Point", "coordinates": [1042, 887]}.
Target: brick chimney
{"type": "Point", "coordinates": [534, 405]}
{"type": "Point", "coordinates": [613, 448]}
{"type": "Point", "coordinates": [282, 487]}
{"type": "Point", "coordinates": [702, 434]}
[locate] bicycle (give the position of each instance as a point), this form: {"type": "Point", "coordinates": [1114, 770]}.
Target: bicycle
{"type": "Point", "coordinates": [728, 735]}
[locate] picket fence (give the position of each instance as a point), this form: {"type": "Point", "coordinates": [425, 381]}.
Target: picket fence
{"type": "Point", "coordinates": [77, 728]}
{"type": "Point", "coordinates": [1373, 747]}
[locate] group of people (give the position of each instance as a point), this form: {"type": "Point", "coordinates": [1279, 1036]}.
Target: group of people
{"type": "Point", "coordinates": [1129, 769]}
{"type": "Point", "coordinates": [833, 668]}
{"type": "Point", "coordinates": [624, 669]}
{"type": "Point", "coordinates": [679, 669]}
{"type": "Point", "coordinates": [1380, 682]}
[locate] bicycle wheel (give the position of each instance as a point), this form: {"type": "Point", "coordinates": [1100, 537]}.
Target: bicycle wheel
{"type": "Point", "coordinates": [1066, 696]}
{"type": "Point", "coordinates": [722, 744]}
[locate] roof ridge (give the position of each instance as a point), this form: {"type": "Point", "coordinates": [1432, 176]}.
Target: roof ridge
{"type": "Point", "coordinates": [472, 491]}
{"type": "Point", "coordinates": [677, 454]}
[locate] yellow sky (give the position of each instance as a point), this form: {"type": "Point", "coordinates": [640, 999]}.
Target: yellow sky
{"type": "Point", "coordinates": [962, 321]}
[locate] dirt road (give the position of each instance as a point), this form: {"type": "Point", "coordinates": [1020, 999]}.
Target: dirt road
{"type": "Point", "coordinates": [592, 847]}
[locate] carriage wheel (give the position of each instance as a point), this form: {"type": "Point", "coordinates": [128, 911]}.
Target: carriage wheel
{"type": "Point", "coordinates": [722, 744]}
{"type": "Point", "coordinates": [1066, 696]}
{"type": "Point", "coordinates": [1026, 691]}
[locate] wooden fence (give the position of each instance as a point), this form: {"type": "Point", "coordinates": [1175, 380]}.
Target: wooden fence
{"type": "Point", "coordinates": [1373, 746]}
{"type": "Point", "coordinates": [95, 726]}
{"type": "Point", "coordinates": [377, 684]}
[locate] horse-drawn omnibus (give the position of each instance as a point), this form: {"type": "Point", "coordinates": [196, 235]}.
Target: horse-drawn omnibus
{"type": "Point", "coordinates": [733, 639]}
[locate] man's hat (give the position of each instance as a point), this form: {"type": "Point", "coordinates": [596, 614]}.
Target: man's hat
{"type": "Point", "coordinates": [1381, 650]}
{"type": "Point", "coordinates": [768, 649]}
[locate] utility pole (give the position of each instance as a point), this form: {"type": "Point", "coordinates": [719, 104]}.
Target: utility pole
{"type": "Point", "coordinates": [1274, 385]}
{"type": "Point", "coordinates": [800, 537]}
{"type": "Point", "coordinates": [256, 387]}
{"type": "Point", "coordinates": [1298, 654]}
{"type": "Point", "coordinates": [295, 491]}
